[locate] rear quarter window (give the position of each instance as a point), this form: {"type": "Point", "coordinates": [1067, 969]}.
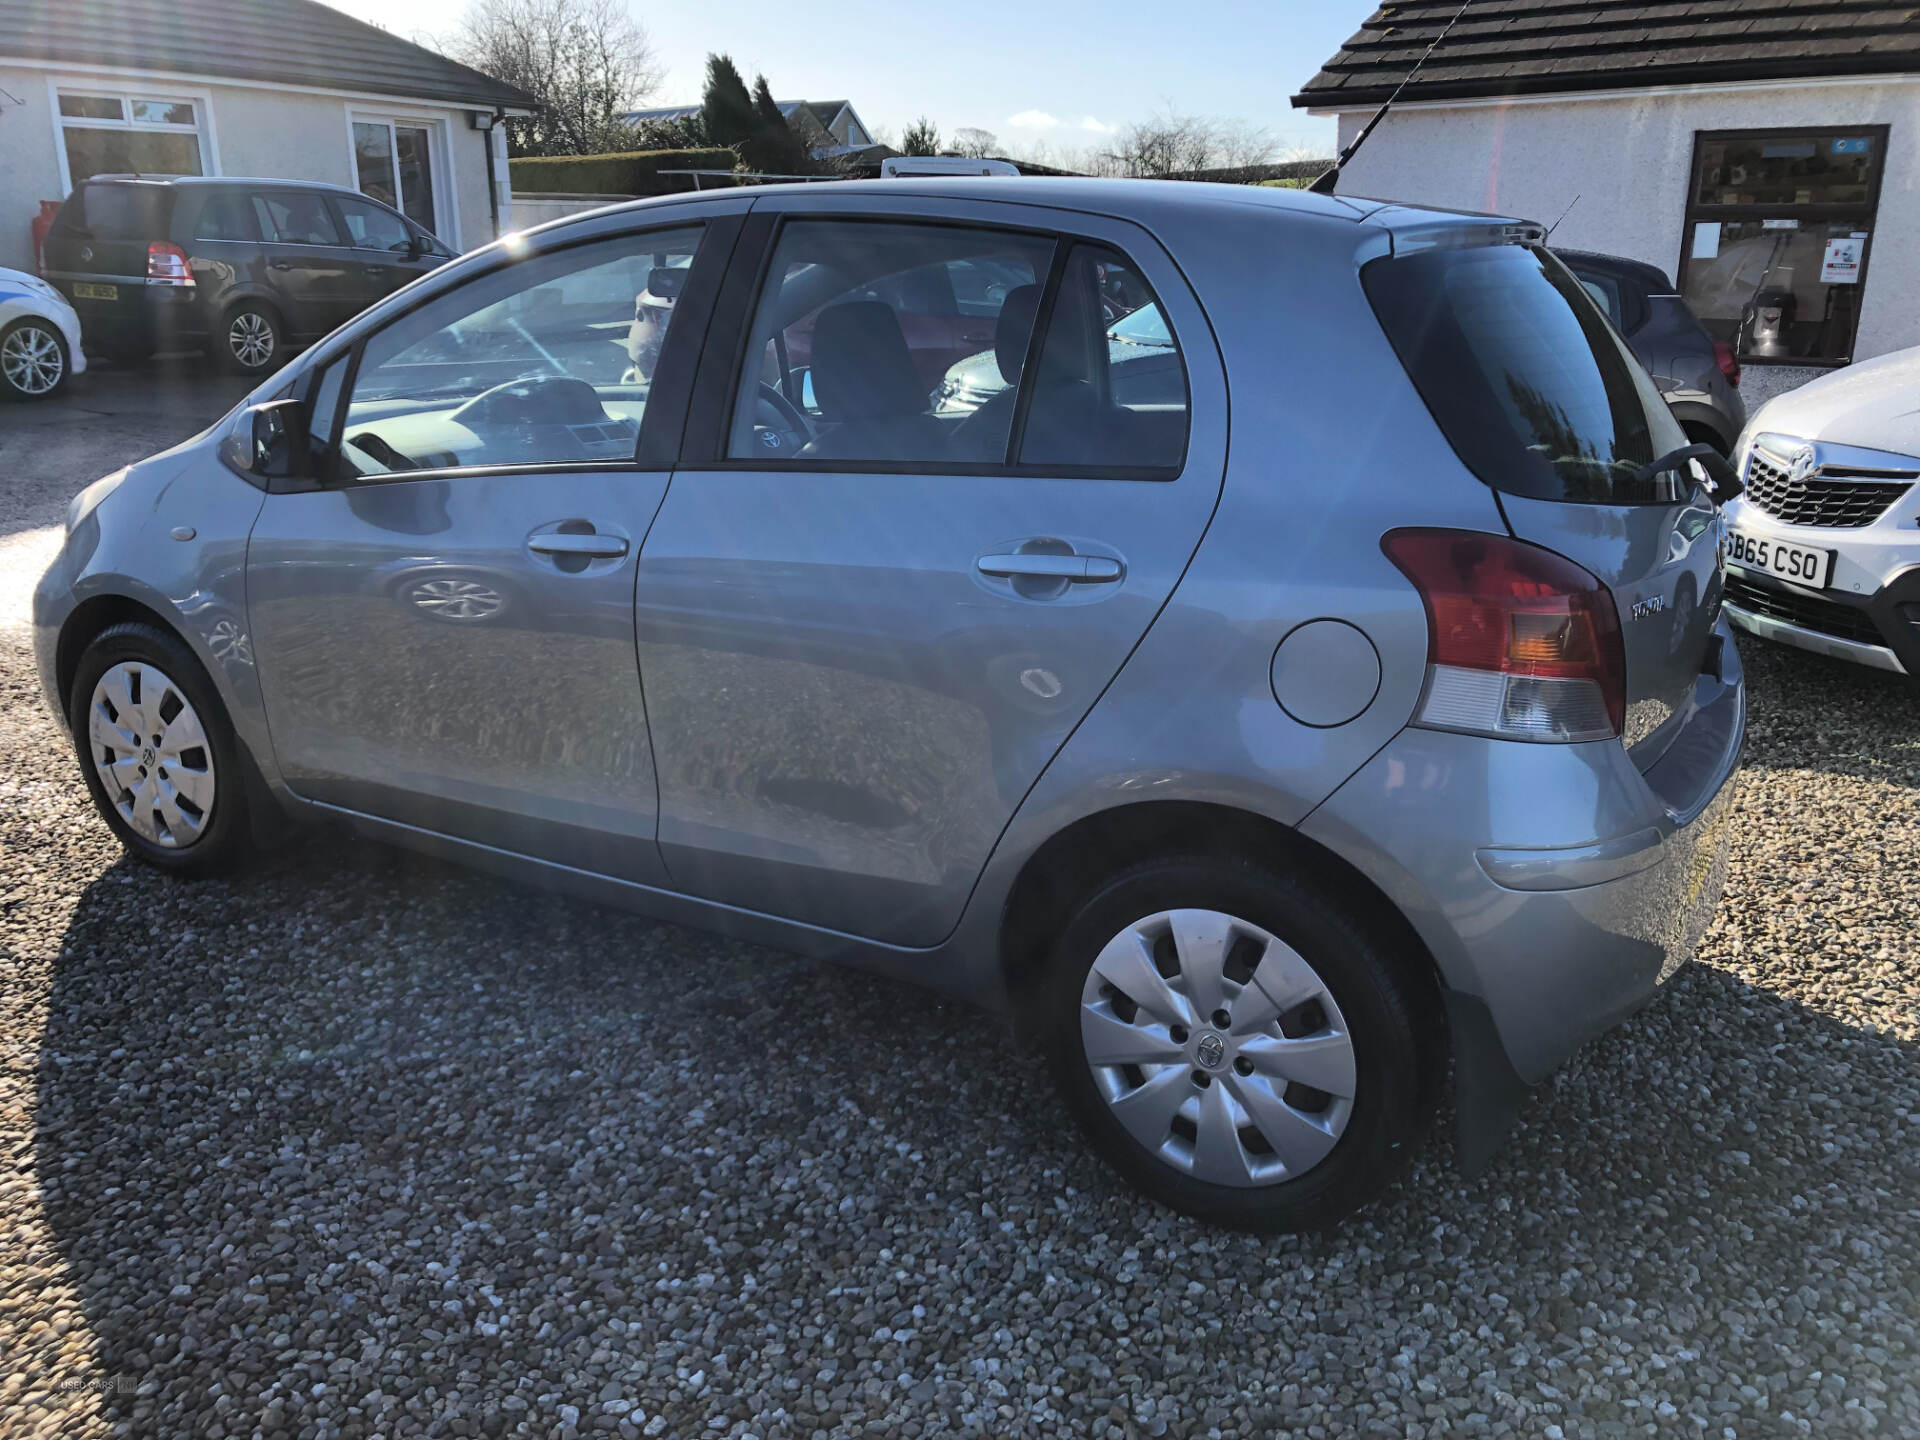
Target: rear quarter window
{"type": "Point", "coordinates": [1531, 386]}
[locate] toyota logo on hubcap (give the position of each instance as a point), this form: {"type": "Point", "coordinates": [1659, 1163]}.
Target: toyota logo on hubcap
{"type": "Point", "coordinates": [1210, 1051]}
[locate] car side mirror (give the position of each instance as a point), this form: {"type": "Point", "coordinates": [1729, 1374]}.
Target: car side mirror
{"type": "Point", "coordinates": [1716, 472]}
{"type": "Point", "coordinates": [269, 443]}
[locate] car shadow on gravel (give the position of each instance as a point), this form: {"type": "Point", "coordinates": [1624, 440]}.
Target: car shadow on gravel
{"type": "Point", "coordinates": [365, 1143]}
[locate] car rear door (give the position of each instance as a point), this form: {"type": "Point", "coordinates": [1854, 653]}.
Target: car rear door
{"type": "Point", "coordinates": [863, 644]}
{"type": "Point", "coordinates": [309, 265]}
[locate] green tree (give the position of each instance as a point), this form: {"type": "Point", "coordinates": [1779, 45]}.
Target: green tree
{"type": "Point", "coordinates": [726, 109]}
{"type": "Point", "coordinates": [922, 138]}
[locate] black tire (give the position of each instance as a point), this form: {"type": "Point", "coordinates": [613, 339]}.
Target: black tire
{"type": "Point", "coordinates": [1389, 1011]}
{"type": "Point", "coordinates": [32, 331]}
{"type": "Point", "coordinates": [244, 329]}
{"type": "Point", "coordinates": [225, 839]}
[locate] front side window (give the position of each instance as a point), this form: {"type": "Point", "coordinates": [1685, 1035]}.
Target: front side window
{"type": "Point", "coordinates": [528, 365]}
{"type": "Point", "coordinates": [371, 228]}
{"type": "Point", "coordinates": [105, 133]}
{"type": "Point", "coordinates": [1535, 391]}
{"type": "Point", "coordinates": [895, 343]}
{"type": "Point", "coordinates": [1778, 228]}
{"type": "Point", "coordinates": [227, 215]}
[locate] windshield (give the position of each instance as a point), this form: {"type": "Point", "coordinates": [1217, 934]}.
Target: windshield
{"type": "Point", "coordinates": [1145, 326]}
{"type": "Point", "coordinates": [1530, 384]}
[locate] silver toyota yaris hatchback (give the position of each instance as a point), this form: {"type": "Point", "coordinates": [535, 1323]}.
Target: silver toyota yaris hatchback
{"type": "Point", "coordinates": [1306, 667]}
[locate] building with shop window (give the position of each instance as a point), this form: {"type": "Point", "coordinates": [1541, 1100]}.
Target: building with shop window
{"type": "Point", "coordinates": [285, 88]}
{"type": "Point", "coordinates": [1767, 157]}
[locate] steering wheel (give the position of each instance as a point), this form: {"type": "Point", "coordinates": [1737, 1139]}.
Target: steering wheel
{"type": "Point", "coordinates": [787, 428]}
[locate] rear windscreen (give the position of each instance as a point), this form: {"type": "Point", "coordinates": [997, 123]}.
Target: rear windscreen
{"type": "Point", "coordinates": [118, 212]}
{"type": "Point", "coordinates": [1521, 370]}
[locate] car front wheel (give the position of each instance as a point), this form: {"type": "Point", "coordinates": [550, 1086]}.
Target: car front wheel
{"type": "Point", "coordinates": [1236, 1046]}
{"type": "Point", "coordinates": [159, 756]}
{"type": "Point", "coordinates": [33, 360]}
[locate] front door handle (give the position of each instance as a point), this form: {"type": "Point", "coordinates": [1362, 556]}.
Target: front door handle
{"type": "Point", "coordinates": [280, 265]}
{"type": "Point", "coordinates": [1080, 569]}
{"type": "Point", "coordinates": [592, 547]}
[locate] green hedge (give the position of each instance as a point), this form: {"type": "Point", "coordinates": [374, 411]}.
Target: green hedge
{"type": "Point", "coordinates": [634, 173]}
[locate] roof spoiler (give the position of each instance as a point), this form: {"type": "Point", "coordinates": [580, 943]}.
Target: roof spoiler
{"type": "Point", "coordinates": [1325, 182]}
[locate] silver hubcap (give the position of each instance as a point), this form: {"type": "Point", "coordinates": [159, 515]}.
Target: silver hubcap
{"type": "Point", "coordinates": [457, 599]}
{"type": "Point", "coordinates": [1218, 1047]}
{"type": "Point", "coordinates": [30, 359]}
{"type": "Point", "coordinates": [250, 337]}
{"type": "Point", "coordinates": [151, 753]}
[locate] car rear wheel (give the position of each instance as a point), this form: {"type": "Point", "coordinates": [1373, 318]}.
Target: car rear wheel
{"type": "Point", "coordinates": [158, 753]}
{"type": "Point", "coordinates": [251, 340]}
{"type": "Point", "coordinates": [33, 360]}
{"type": "Point", "coordinates": [1236, 1046]}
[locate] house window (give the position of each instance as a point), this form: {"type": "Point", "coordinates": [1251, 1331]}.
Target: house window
{"type": "Point", "coordinates": [103, 132]}
{"type": "Point", "coordinates": [1779, 223]}
{"type": "Point", "coordinates": [393, 162]}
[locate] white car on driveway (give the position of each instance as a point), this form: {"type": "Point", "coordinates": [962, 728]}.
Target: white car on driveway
{"type": "Point", "coordinates": [39, 337]}
{"type": "Point", "coordinates": [1823, 549]}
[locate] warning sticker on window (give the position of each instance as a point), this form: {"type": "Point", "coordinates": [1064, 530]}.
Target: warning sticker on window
{"type": "Point", "coordinates": [1841, 263]}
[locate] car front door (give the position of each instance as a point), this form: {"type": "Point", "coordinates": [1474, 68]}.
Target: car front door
{"type": "Point", "coordinates": [443, 619]}
{"type": "Point", "coordinates": [384, 254]}
{"type": "Point", "coordinates": [309, 266]}
{"type": "Point", "coordinates": [866, 629]}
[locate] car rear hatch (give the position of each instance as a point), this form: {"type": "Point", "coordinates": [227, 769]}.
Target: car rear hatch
{"type": "Point", "coordinates": [1544, 402]}
{"type": "Point", "coordinates": [98, 242]}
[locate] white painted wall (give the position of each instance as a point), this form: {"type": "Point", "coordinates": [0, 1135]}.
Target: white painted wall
{"type": "Point", "coordinates": [530, 210]}
{"type": "Point", "coordinates": [254, 130]}
{"type": "Point", "coordinates": [1629, 157]}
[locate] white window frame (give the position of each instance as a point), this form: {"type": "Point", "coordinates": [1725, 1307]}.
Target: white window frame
{"type": "Point", "coordinates": [446, 211]}
{"type": "Point", "coordinates": [166, 93]}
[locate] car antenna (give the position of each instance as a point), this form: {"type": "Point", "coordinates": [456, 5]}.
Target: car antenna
{"type": "Point", "coordinates": [1331, 177]}
{"type": "Point", "coordinates": [1563, 215]}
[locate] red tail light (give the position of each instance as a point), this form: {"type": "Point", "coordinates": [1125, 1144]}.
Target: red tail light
{"type": "Point", "coordinates": [1522, 643]}
{"type": "Point", "coordinates": [167, 263]}
{"type": "Point", "coordinates": [1728, 362]}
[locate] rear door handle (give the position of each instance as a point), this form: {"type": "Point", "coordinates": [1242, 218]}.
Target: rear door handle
{"type": "Point", "coordinates": [280, 265]}
{"type": "Point", "coordinates": [593, 547]}
{"type": "Point", "coordinates": [1081, 569]}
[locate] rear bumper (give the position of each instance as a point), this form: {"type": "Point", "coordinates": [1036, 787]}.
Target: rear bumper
{"type": "Point", "coordinates": [143, 314]}
{"type": "Point", "coordinates": [1555, 885]}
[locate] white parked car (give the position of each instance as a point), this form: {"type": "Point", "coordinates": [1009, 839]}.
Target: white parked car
{"type": "Point", "coordinates": [1824, 547]}
{"type": "Point", "coordinates": [39, 337]}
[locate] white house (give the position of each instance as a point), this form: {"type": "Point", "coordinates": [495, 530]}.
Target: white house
{"type": "Point", "coordinates": [1767, 158]}
{"type": "Point", "coordinates": [284, 88]}
{"type": "Point", "coordinates": [831, 128]}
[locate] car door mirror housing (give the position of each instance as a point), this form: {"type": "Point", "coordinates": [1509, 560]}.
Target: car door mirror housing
{"type": "Point", "coordinates": [267, 444]}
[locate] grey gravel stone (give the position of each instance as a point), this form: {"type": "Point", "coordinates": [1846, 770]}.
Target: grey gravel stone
{"type": "Point", "coordinates": [361, 1145]}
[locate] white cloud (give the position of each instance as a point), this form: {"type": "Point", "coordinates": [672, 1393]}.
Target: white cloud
{"type": "Point", "coordinates": [1033, 120]}
{"type": "Point", "coordinates": [1096, 127]}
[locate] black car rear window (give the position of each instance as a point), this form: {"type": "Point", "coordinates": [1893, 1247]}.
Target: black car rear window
{"type": "Point", "coordinates": [1523, 374]}
{"type": "Point", "coordinates": [119, 212]}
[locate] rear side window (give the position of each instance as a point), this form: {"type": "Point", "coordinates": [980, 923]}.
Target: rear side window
{"type": "Point", "coordinates": [226, 215]}
{"type": "Point", "coordinates": [295, 217]}
{"type": "Point", "coordinates": [1533, 389]}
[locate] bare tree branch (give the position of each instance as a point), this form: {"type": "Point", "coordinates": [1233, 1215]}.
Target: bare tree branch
{"type": "Point", "coordinates": [585, 61]}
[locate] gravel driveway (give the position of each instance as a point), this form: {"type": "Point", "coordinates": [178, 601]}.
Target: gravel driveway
{"type": "Point", "coordinates": [362, 1145]}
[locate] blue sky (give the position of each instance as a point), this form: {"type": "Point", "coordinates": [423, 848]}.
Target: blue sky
{"type": "Point", "coordinates": [992, 62]}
